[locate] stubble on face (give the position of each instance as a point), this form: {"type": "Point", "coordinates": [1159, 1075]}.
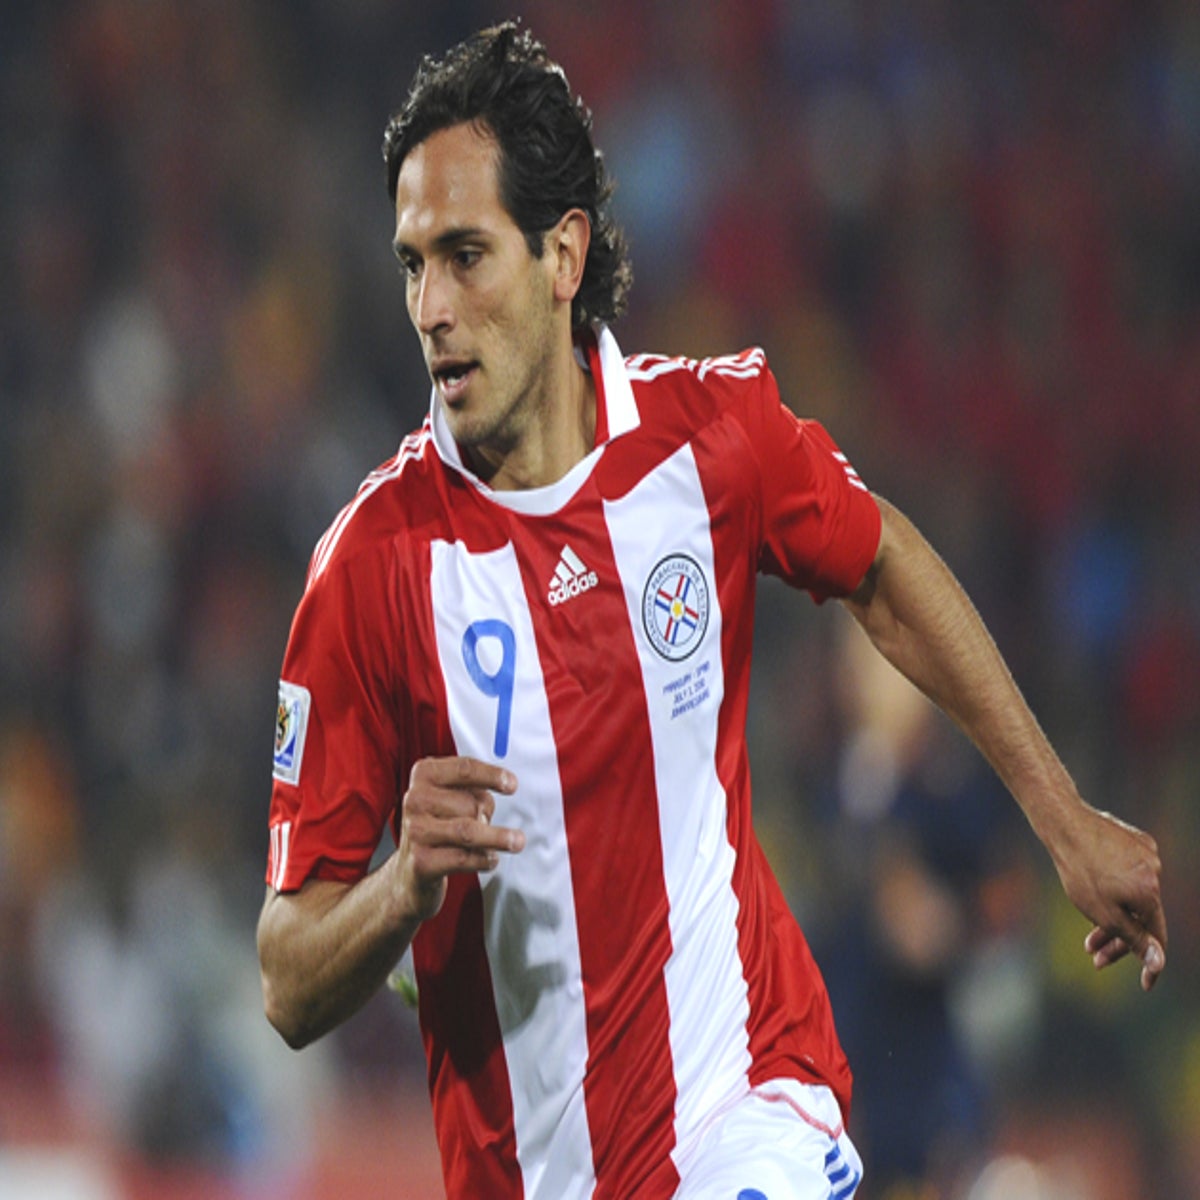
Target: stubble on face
{"type": "Point", "coordinates": [494, 320]}
{"type": "Point", "coordinates": [481, 303]}
{"type": "Point", "coordinates": [511, 393]}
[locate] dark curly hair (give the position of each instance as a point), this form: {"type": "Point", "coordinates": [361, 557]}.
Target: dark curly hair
{"type": "Point", "coordinates": [504, 80]}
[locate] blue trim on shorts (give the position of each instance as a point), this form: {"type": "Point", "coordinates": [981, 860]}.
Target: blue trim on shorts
{"type": "Point", "coordinates": [843, 1179]}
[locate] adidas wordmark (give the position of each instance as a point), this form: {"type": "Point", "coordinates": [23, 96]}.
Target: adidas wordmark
{"type": "Point", "coordinates": [571, 578]}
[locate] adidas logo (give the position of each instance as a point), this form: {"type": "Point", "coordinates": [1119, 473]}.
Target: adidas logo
{"type": "Point", "coordinates": [571, 578]}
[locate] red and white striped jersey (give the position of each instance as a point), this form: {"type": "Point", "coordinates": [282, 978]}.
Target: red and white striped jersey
{"type": "Point", "coordinates": [590, 1004]}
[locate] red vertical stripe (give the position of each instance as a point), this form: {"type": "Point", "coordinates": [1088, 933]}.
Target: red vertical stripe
{"type": "Point", "coordinates": [791, 1030]}
{"type": "Point", "coordinates": [589, 663]}
{"type": "Point", "coordinates": [469, 1085]}
{"type": "Point", "coordinates": [470, 1090]}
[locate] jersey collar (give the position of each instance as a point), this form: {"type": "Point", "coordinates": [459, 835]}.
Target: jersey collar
{"type": "Point", "coordinates": [616, 414]}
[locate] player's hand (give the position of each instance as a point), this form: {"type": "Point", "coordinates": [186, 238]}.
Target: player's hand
{"type": "Point", "coordinates": [446, 827]}
{"type": "Point", "coordinates": [1112, 874]}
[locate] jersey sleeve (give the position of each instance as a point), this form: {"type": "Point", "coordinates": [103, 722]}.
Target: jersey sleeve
{"type": "Point", "coordinates": [336, 747]}
{"type": "Point", "coordinates": [820, 523]}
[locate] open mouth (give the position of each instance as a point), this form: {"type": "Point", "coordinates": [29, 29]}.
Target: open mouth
{"type": "Point", "coordinates": [452, 378]}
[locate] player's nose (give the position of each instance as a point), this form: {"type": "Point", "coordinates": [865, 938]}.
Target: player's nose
{"type": "Point", "coordinates": [432, 307]}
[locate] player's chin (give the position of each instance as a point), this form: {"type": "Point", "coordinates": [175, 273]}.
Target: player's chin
{"type": "Point", "coordinates": [469, 425]}
{"type": "Point", "coordinates": [478, 432]}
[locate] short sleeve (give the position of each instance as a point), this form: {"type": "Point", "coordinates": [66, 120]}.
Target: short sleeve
{"type": "Point", "coordinates": [820, 523]}
{"type": "Point", "coordinates": [336, 745]}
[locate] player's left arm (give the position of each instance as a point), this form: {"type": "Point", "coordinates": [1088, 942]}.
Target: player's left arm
{"type": "Point", "coordinates": [919, 617]}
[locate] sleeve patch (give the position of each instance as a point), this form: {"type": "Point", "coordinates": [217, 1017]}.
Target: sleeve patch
{"type": "Point", "coordinates": [291, 724]}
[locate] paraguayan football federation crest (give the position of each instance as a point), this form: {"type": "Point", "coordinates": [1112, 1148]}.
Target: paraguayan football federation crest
{"type": "Point", "coordinates": [675, 606]}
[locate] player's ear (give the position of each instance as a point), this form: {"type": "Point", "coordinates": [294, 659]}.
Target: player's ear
{"type": "Point", "coordinates": [568, 244]}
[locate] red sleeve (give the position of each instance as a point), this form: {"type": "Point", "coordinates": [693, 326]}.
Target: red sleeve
{"type": "Point", "coordinates": [821, 524]}
{"type": "Point", "coordinates": [336, 744]}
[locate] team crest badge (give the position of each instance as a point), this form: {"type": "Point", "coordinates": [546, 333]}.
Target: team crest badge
{"type": "Point", "coordinates": [675, 606]}
{"type": "Point", "coordinates": [291, 724]}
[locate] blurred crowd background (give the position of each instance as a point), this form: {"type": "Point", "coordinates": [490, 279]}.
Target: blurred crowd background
{"type": "Point", "coordinates": [967, 234]}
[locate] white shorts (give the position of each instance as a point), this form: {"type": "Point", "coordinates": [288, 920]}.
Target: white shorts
{"type": "Point", "coordinates": [783, 1141]}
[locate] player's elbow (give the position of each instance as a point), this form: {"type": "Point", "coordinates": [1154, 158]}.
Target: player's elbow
{"type": "Point", "coordinates": [283, 1009]}
{"type": "Point", "coordinates": [294, 1034]}
{"type": "Point", "coordinates": [280, 1019]}
{"type": "Point", "coordinates": [287, 1018]}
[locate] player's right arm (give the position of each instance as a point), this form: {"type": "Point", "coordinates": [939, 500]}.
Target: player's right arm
{"type": "Point", "coordinates": [326, 948]}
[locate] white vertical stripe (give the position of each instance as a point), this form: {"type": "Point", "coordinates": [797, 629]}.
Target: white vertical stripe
{"type": "Point", "coordinates": [706, 991]}
{"type": "Point", "coordinates": [281, 838]}
{"type": "Point", "coordinates": [529, 912]}
{"type": "Point", "coordinates": [285, 850]}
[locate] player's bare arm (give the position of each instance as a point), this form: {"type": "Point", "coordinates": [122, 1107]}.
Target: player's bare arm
{"type": "Point", "coordinates": [326, 949]}
{"type": "Point", "coordinates": [918, 616]}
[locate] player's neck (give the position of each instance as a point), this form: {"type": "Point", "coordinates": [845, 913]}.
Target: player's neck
{"type": "Point", "coordinates": [557, 432]}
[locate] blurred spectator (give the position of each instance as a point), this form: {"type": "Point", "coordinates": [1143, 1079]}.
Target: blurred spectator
{"type": "Point", "coordinates": [966, 234]}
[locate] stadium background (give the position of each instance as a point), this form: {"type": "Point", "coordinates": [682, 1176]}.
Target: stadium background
{"type": "Point", "coordinates": [966, 234]}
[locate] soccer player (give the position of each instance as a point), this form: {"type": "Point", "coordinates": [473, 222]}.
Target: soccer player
{"type": "Point", "coordinates": [524, 646]}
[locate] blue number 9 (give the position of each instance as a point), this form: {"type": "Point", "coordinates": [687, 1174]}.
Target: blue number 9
{"type": "Point", "coordinates": [499, 685]}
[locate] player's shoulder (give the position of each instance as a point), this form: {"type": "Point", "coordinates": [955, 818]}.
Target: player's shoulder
{"type": "Point", "coordinates": [681, 371]}
{"type": "Point", "coordinates": [678, 396]}
{"type": "Point", "coordinates": [382, 506]}
{"type": "Point", "coordinates": [700, 386]}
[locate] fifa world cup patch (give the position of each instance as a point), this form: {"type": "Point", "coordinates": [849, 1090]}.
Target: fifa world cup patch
{"type": "Point", "coordinates": [291, 724]}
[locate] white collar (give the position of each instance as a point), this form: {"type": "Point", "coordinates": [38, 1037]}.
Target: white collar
{"type": "Point", "coordinates": [620, 409]}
